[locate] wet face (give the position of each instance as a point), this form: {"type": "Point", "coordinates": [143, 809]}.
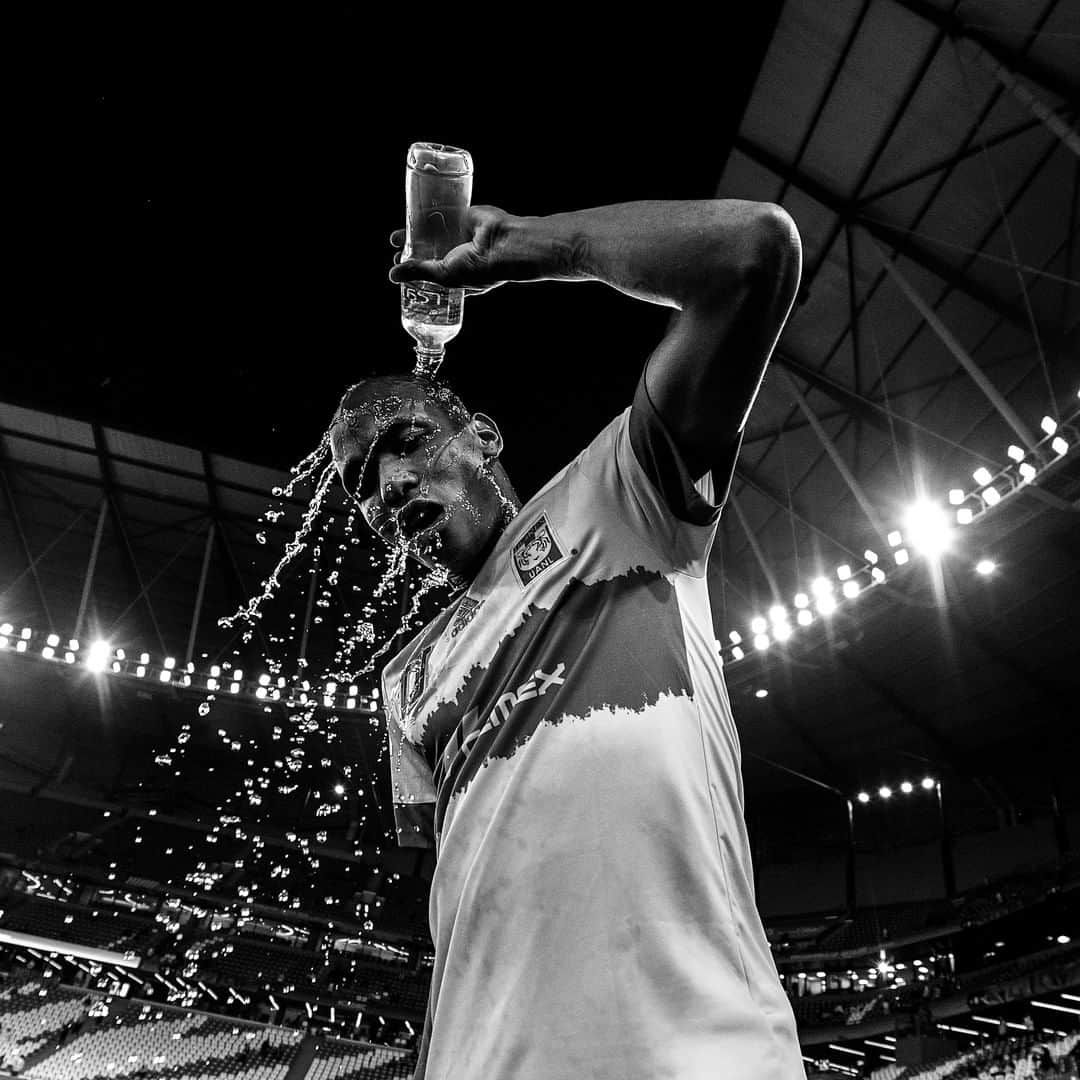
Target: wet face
{"type": "Point", "coordinates": [424, 480]}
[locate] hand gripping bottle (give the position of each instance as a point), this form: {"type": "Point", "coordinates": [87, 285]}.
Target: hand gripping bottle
{"type": "Point", "coordinates": [438, 190]}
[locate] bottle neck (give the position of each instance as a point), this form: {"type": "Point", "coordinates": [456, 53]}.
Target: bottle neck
{"type": "Point", "coordinates": [428, 361]}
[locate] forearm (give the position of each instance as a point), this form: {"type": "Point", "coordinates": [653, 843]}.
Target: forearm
{"type": "Point", "coordinates": [671, 253]}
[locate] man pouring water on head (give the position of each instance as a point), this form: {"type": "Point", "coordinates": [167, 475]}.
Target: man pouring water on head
{"type": "Point", "coordinates": [561, 732]}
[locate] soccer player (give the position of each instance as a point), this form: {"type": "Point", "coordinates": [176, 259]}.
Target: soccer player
{"type": "Point", "coordinates": [561, 732]}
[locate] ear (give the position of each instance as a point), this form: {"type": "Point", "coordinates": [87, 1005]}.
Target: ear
{"type": "Point", "coordinates": [487, 434]}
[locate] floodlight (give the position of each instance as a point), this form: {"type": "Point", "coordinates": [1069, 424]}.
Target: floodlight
{"type": "Point", "coordinates": [964, 516]}
{"type": "Point", "coordinates": [1059, 446]}
{"type": "Point", "coordinates": [761, 642]}
{"type": "Point", "coordinates": [98, 656]}
{"type": "Point", "coordinates": [375, 693]}
{"type": "Point", "coordinates": [211, 683]}
{"type": "Point", "coordinates": [821, 586]}
{"type": "Point", "coordinates": [956, 496]}
{"type": "Point", "coordinates": [901, 556]}
{"type": "Point", "coordinates": [863, 796]}
{"type": "Point", "coordinates": [140, 671]}
{"type": "Point", "coordinates": [26, 633]}
{"type": "Point", "coordinates": [48, 652]}
{"type": "Point", "coordinates": [73, 644]}
{"type": "Point", "coordinates": [762, 693]}
{"type": "Point", "coordinates": [894, 538]}
{"type": "Point", "coordinates": [777, 613]}
{"type": "Point", "coordinates": [758, 624]}
{"type": "Point", "coordinates": [843, 571]}
{"type": "Point", "coordinates": [260, 691]}
{"type": "Point", "coordinates": [851, 588]}
{"type": "Point", "coordinates": [985, 567]}
{"type": "Point", "coordinates": [350, 703]}
{"type": "Point", "coordinates": [928, 528]}
{"type": "Point", "coordinates": [826, 605]}
{"type": "Point", "coordinates": [1063, 939]}
{"type": "Point", "coordinates": [870, 556]}
{"type": "Point", "coordinates": [982, 476]}
{"type": "Point", "coordinates": [170, 662]}
{"type": "Point", "coordinates": [328, 702]}
{"type": "Point", "coordinates": [69, 657]}
{"type": "Point", "coordinates": [885, 792]}
{"type": "Point", "coordinates": [992, 496]}
{"type": "Point", "coordinates": [804, 617]}
{"type": "Point", "coordinates": [735, 637]}
{"type": "Point", "coordinates": [906, 787]}
{"type": "Point", "coordinates": [1027, 471]}
{"type": "Point", "coordinates": [234, 688]}
{"type": "Point", "coordinates": [878, 574]}
{"type": "Point", "coordinates": [53, 640]}
{"type": "Point", "coordinates": [781, 631]}
{"type": "Point", "coordinates": [264, 679]}
{"type": "Point", "coordinates": [20, 646]}
{"type": "Point", "coordinates": [1049, 425]}
{"type": "Point", "coordinates": [166, 675]}
{"type": "Point", "coordinates": [802, 600]}
{"type": "Point", "coordinates": [1015, 452]}
{"type": "Point", "coordinates": [215, 670]}
{"type": "Point", "coordinates": [7, 629]}
{"type": "Point", "coordinates": [331, 689]}
{"type": "Point", "coordinates": [120, 654]}
{"type": "Point", "coordinates": [928, 783]}
{"type": "Point", "coordinates": [737, 653]}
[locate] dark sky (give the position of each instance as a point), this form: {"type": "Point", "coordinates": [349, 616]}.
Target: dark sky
{"type": "Point", "coordinates": [197, 244]}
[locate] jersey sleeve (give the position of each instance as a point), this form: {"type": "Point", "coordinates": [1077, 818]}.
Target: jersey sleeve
{"type": "Point", "coordinates": [636, 487]}
{"type": "Point", "coordinates": [413, 789]}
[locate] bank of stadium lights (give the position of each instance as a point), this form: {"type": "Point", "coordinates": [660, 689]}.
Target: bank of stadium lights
{"type": "Point", "coordinates": [906, 787]}
{"type": "Point", "coordinates": [100, 658]}
{"type": "Point", "coordinates": [927, 531]}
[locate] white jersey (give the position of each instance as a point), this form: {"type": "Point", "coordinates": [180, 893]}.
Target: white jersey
{"type": "Point", "coordinates": [562, 734]}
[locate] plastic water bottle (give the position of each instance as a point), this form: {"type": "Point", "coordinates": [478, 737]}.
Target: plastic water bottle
{"type": "Point", "coordinates": [438, 190]}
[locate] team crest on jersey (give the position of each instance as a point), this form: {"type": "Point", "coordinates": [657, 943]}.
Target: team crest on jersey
{"type": "Point", "coordinates": [413, 680]}
{"type": "Point", "coordinates": [464, 614]}
{"type": "Point", "coordinates": [536, 551]}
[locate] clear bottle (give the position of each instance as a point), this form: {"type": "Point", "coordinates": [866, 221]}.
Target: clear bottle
{"type": "Point", "coordinates": [438, 191]}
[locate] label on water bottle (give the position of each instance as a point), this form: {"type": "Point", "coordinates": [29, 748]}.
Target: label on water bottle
{"type": "Point", "coordinates": [424, 302]}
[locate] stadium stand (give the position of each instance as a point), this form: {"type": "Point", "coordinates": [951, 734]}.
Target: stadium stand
{"type": "Point", "coordinates": [33, 1012]}
{"type": "Point", "coordinates": [340, 1060]}
{"type": "Point", "coordinates": [252, 964]}
{"type": "Point", "coordinates": [79, 925]}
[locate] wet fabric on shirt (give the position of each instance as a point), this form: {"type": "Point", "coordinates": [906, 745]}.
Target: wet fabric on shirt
{"type": "Point", "coordinates": [563, 736]}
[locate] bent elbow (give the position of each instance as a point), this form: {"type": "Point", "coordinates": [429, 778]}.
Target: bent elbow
{"type": "Point", "coordinates": [777, 246]}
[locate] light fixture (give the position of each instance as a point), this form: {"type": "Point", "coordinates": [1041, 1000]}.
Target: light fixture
{"type": "Point", "coordinates": [7, 629]}
{"type": "Point", "coordinates": [928, 528]}
{"type": "Point", "coordinates": [758, 625]}
{"type": "Point", "coordinates": [264, 679]}
{"type": "Point", "coordinates": [885, 792]}
{"type": "Point", "coordinates": [985, 567]}
{"type": "Point", "coordinates": [737, 653]}
{"type": "Point", "coordinates": [53, 640]}
{"type": "Point", "coordinates": [964, 516]}
{"type": "Point", "coordinates": [804, 617]}
{"type": "Point", "coordinates": [894, 538]}
{"type": "Point", "coordinates": [1059, 446]}
{"type": "Point", "coordinates": [339, 789]}
{"type": "Point", "coordinates": [826, 605]}
{"type": "Point", "coordinates": [928, 783]}
{"type": "Point", "coordinates": [982, 476]}
{"type": "Point", "coordinates": [851, 588]}
{"type": "Point", "coordinates": [843, 571]}
{"type": "Point", "coordinates": [761, 642]}
{"type": "Point", "coordinates": [992, 496]}
{"type": "Point", "coordinates": [761, 693]}
{"type": "Point", "coordinates": [907, 787]}
{"type": "Point", "coordinates": [802, 600]}
{"type": "Point", "coordinates": [1048, 424]}
{"type": "Point", "coordinates": [870, 556]}
{"type": "Point", "coordinates": [956, 496]}
{"type": "Point", "coordinates": [165, 675]}
{"type": "Point", "coordinates": [1027, 471]}
{"type": "Point", "coordinates": [863, 796]}
{"type": "Point", "coordinates": [821, 586]}
{"type": "Point", "coordinates": [98, 656]}
{"type": "Point", "coordinates": [781, 631]}
{"type": "Point", "coordinates": [140, 671]}
{"type": "Point", "coordinates": [48, 652]}
{"type": "Point", "coordinates": [1063, 939]}
{"type": "Point", "coordinates": [1015, 452]}
{"type": "Point", "coordinates": [777, 613]}
{"type": "Point", "coordinates": [735, 637]}
{"type": "Point", "coordinates": [901, 556]}
{"type": "Point", "coordinates": [877, 574]}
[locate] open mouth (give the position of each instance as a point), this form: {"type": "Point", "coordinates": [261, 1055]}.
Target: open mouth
{"type": "Point", "coordinates": [419, 516]}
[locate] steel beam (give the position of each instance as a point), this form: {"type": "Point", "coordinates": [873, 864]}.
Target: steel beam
{"type": "Point", "coordinates": [1022, 64]}
{"type": "Point", "coordinates": [23, 544]}
{"type": "Point", "coordinates": [838, 460]}
{"type": "Point", "coordinates": [208, 552]}
{"type": "Point", "coordinates": [960, 354]}
{"type": "Point", "coordinates": [756, 548]}
{"type": "Point", "coordinates": [847, 211]}
{"type": "Point", "coordinates": [91, 566]}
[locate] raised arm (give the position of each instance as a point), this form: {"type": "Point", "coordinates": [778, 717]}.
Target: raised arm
{"type": "Point", "coordinates": [730, 267]}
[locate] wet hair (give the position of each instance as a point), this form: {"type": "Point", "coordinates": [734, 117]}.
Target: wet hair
{"type": "Point", "coordinates": [434, 389]}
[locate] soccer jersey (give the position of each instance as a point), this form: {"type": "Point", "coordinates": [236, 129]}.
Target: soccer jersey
{"type": "Point", "coordinates": [563, 737]}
